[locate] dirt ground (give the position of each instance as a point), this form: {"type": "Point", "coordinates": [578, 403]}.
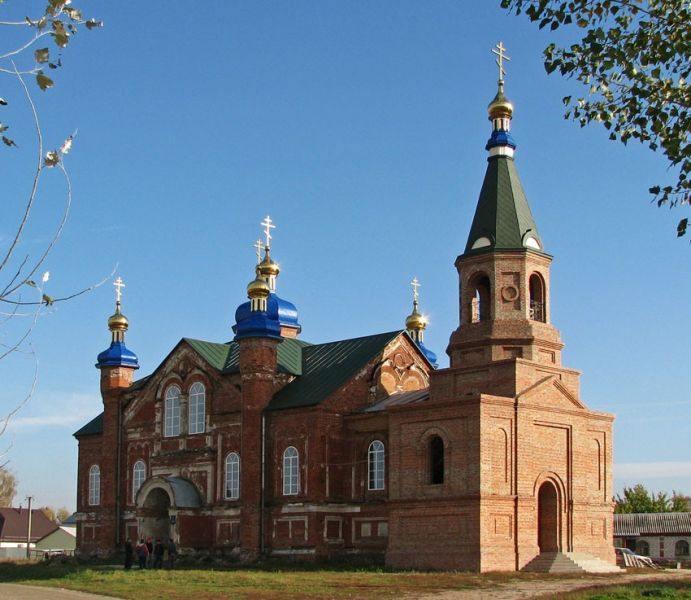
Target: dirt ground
{"type": "Point", "coordinates": [518, 590]}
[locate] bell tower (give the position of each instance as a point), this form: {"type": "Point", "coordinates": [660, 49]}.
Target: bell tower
{"type": "Point", "coordinates": [504, 270]}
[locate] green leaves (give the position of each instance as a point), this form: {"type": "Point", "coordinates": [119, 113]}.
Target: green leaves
{"type": "Point", "coordinates": [43, 81]}
{"type": "Point", "coordinates": [633, 61]}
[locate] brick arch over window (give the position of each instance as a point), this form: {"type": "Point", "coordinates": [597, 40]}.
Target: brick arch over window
{"type": "Point", "coordinates": [434, 455]}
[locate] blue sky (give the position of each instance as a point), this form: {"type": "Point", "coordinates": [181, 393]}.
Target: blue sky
{"type": "Point", "coordinates": [360, 128]}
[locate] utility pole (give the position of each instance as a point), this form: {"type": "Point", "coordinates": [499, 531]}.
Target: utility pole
{"type": "Point", "coordinates": [28, 529]}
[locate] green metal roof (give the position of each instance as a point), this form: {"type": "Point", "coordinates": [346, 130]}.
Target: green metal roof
{"type": "Point", "coordinates": [226, 357]}
{"type": "Point", "coordinates": [326, 367]}
{"type": "Point", "coordinates": [502, 212]}
{"type": "Point", "coordinates": [93, 427]}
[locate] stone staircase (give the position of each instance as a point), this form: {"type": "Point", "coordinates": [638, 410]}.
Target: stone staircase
{"type": "Point", "coordinates": [569, 562]}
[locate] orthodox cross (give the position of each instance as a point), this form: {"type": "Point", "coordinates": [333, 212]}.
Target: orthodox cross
{"type": "Point", "coordinates": [416, 284]}
{"type": "Point", "coordinates": [118, 283]}
{"type": "Point", "coordinates": [268, 226]}
{"type": "Point", "coordinates": [258, 245]}
{"type": "Point", "coordinates": [499, 51]}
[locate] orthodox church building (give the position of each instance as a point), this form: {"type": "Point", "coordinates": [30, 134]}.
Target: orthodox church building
{"type": "Point", "coordinates": [268, 445]}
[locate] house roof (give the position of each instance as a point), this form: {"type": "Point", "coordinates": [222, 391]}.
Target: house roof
{"type": "Point", "coordinates": [637, 524]}
{"type": "Point", "coordinates": [14, 523]}
{"type": "Point", "coordinates": [326, 367]}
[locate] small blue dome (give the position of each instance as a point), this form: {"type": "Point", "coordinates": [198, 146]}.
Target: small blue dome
{"type": "Point", "coordinates": [500, 137]}
{"type": "Point", "coordinates": [257, 323]}
{"type": "Point", "coordinates": [431, 356]}
{"type": "Point", "coordinates": [287, 313]}
{"type": "Point", "coordinates": [117, 355]}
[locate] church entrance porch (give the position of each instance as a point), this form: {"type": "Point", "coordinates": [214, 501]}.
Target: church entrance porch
{"type": "Point", "coordinates": [548, 518]}
{"type": "Point", "coordinates": [155, 515]}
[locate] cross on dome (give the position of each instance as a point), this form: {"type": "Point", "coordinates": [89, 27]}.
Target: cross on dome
{"type": "Point", "coordinates": [499, 50]}
{"type": "Point", "coordinates": [416, 285]}
{"type": "Point", "coordinates": [258, 246]}
{"type": "Point", "coordinates": [119, 284]}
{"type": "Point", "coordinates": [268, 225]}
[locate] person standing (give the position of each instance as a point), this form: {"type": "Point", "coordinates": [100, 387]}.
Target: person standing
{"type": "Point", "coordinates": [158, 554]}
{"type": "Point", "coordinates": [142, 553]}
{"type": "Point", "coordinates": [172, 553]}
{"type": "Point", "coordinates": [129, 551]}
{"type": "Point", "coordinates": [150, 550]}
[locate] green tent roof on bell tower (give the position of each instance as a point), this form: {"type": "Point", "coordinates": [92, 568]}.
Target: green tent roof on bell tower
{"type": "Point", "coordinates": [503, 220]}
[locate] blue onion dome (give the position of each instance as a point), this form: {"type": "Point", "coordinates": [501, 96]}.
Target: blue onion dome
{"type": "Point", "coordinates": [259, 316]}
{"type": "Point", "coordinates": [117, 354]}
{"type": "Point", "coordinates": [287, 312]}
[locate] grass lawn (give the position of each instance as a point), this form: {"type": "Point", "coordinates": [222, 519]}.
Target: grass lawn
{"type": "Point", "coordinates": [291, 583]}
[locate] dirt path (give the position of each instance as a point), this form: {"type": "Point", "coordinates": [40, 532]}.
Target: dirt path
{"type": "Point", "coordinates": [11, 591]}
{"type": "Point", "coordinates": [519, 590]}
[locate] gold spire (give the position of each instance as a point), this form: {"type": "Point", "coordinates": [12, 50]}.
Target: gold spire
{"type": "Point", "coordinates": [118, 323]}
{"type": "Point", "coordinates": [500, 107]}
{"type": "Point", "coordinates": [415, 323]}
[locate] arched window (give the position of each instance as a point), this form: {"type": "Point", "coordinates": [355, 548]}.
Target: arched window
{"type": "Point", "coordinates": [232, 476]}
{"type": "Point", "coordinates": [138, 477]}
{"type": "Point", "coordinates": [436, 460]}
{"type": "Point", "coordinates": [375, 463]}
{"type": "Point", "coordinates": [537, 298]}
{"type": "Point", "coordinates": [94, 485]}
{"type": "Point", "coordinates": [642, 548]}
{"type": "Point", "coordinates": [291, 471]}
{"type": "Point", "coordinates": [480, 308]}
{"type": "Point", "coordinates": [197, 410]}
{"type": "Point", "coordinates": [681, 548]}
{"type": "Point", "coordinates": [172, 411]}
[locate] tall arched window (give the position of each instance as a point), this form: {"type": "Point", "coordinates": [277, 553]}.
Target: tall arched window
{"type": "Point", "coordinates": [197, 410]}
{"type": "Point", "coordinates": [172, 411]}
{"type": "Point", "coordinates": [538, 310]}
{"type": "Point", "coordinates": [681, 548]}
{"type": "Point", "coordinates": [291, 471]}
{"type": "Point", "coordinates": [375, 464]}
{"type": "Point", "coordinates": [232, 476]}
{"type": "Point", "coordinates": [94, 485]}
{"type": "Point", "coordinates": [138, 477]}
{"type": "Point", "coordinates": [480, 308]}
{"type": "Point", "coordinates": [436, 460]}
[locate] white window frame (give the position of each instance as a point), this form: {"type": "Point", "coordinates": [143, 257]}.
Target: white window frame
{"type": "Point", "coordinates": [232, 476]}
{"type": "Point", "coordinates": [197, 408]}
{"type": "Point", "coordinates": [172, 412]}
{"type": "Point", "coordinates": [376, 467]}
{"type": "Point", "coordinates": [138, 477]}
{"type": "Point", "coordinates": [291, 471]}
{"type": "Point", "coordinates": [94, 485]}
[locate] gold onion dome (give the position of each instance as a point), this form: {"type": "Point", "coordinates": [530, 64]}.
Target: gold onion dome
{"type": "Point", "coordinates": [118, 321]}
{"type": "Point", "coordinates": [258, 288]}
{"type": "Point", "coordinates": [415, 321]}
{"type": "Point", "coordinates": [267, 267]}
{"type": "Point", "coordinates": [500, 106]}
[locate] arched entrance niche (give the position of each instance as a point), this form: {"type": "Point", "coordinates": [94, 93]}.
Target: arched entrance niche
{"type": "Point", "coordinates": [548, 513]}
{"type": "Point", "coordinates": [158, 501]}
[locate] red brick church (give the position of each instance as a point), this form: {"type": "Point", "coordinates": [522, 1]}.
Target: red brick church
{"type": "Point", "coordinates": [268, 445]}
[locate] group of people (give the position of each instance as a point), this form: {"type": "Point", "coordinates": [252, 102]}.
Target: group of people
{"type": "Point", "coordinates": [150, 555]}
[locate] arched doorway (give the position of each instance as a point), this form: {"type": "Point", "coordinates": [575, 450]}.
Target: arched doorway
{"type": "Point", "coordinates": [548, 518]}
{"type": "Point", "coordinates": [155, 512]}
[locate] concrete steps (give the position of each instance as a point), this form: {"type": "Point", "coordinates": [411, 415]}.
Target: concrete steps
{"type": "Point", "coordinates": [569, 562]}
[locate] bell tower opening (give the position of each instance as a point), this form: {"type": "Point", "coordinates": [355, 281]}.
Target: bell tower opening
{"type": "Point", "coordinates": [480, 307]}
{"type": "Point", "coordinates": [548, 518]}
{"type": "Point", "coordinates": [538, 308]}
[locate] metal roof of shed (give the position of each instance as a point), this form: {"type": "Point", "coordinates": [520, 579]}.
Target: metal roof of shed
{"type": "Point", "coordinates": [637, 524]}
